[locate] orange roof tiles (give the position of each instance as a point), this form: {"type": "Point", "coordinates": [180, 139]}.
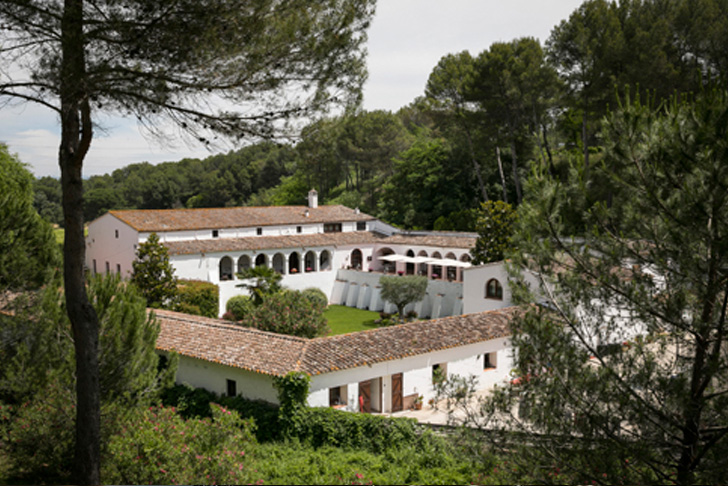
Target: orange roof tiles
{"type": "Point", "coordinates": [276, 354]}
{"type": "Point", "coordinates": [159, 220]}
{"type": "Point", "coordinates": [188, 247]}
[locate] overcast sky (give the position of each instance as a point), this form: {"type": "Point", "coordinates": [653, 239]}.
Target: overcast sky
{"type": "Point", "coordinates": [406, 40]}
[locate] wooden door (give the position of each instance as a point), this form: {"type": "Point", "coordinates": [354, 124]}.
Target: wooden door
{"type": "Point", "coordinates": [397, 392]}
{"type": "Point", "coordinates": [365, 396]}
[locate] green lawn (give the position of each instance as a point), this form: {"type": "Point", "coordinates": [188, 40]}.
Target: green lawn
{"type": "Point", "coordinates": [344, 319]}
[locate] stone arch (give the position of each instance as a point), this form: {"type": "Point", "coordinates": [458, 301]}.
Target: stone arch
{"type": "Point", "coordinates": [294, 263]}
{"type": "Point", "coordinates": [309, 261]}
{"type": "Point", "coordinates": [279, 263]}
{"type": "Point", "coordinates": [422, 267]}
{"type": "Point", "coordinates": [384, 265]}
{"type": "Point", "coordinates": [437, 269]}
{"type": "Point", "coordinates": [451, 271]}
{"type": "Point", "coordinates": [226, 268]}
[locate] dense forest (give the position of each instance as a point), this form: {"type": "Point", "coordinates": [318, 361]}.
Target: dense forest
{"type": "Point", "coordinates": [483, 123]}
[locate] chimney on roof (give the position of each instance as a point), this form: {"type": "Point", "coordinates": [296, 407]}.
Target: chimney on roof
{"type": "Point", "coordinates": [356, 211]}
{"type": "Point", "coordinates": [312, 199]}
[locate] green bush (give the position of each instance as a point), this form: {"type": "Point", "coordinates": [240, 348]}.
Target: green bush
{"type": "Point", "coordinates": [288, 312]}
{"type": "Point", "coordinates": [195, 403]}
{"type": "Point", "coordinates": [195, 293]}
{"type": "Point", "coordinates": [316, 295]}
{"type": "Point", "coordinates": [239, 306]}
{"type": "Point", "coordinates": [157, 446]}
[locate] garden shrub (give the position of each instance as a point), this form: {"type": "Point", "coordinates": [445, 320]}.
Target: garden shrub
{"type": "Point", "coordinates": [239, 306]}
{"type": "Point", "coordinates": [195, 403]}
{"type": "Point", "coordinates": [316, 295]}
{"type": "Point", "coordinates": [196, 293]}
{"type": "Point", "coordinates": [157, 446]}
{"type": "Point", "coordinates": [288, 312]}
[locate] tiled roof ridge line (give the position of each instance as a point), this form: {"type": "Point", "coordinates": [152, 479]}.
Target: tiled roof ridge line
{"type": "Point", "coordinates": [221, 323]}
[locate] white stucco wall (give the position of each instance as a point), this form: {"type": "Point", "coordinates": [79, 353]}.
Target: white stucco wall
{"type": "Point", "coordinates": [213, 377]}
{"type": "Point", "coordinates": [417, 373]}
{"type": "Point", "coordinates": [475, 280]}
{"type": "Point", "coordinates": [103, 245]}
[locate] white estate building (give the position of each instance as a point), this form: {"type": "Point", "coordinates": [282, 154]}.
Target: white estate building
{"type": "Point", "coordinates": [379, 370]}
{"type": "Point", "coordinates": [334, 248]}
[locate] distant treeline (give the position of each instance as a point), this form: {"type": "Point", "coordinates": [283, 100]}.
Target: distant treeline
{"type": "Point", "coordinates": [484, 122]}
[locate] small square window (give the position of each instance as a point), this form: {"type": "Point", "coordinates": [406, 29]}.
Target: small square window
{"type": "Point", "coordinates": [489, 361]}
{"type": "Point", "coordinates": [231, 388]}
{"type": "Point", "coordinates": [361, 226]}
{"type": "Point", "coordinates": [259, 231]}
{"type": "Point", "coordinates": [215, 233]}
{"type": "Point", "coordinates": [299, 229]}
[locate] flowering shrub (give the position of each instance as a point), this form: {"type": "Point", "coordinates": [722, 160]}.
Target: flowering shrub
{"type": "Point", "coordinates": [288, 312]}
{"type": "Point", "coordinates": [157, 446]}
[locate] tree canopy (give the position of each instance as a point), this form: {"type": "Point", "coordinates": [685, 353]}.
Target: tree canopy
{"type": "Point", "coordinates": [403, 290]}
{"type": "Point", "coordinates": [630, 357]}
{"type": "Point", "coordinates": [153, 274]}
{"type": "Point", "coordinates": [28, 252]}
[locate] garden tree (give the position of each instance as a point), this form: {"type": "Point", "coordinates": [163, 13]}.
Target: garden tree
{"type": "Point", "coordinates": [368, 143]}
{"type": "Point", "coordinates": [612, 407]}
{"type": "Point", "coordinates": [37, 346]}
{"type": "Point", "coordinates": [242, 70]}
{"type": "Point", "coordinates": [288, 312]}
{"type": "Point", "coordinates": [450, 88]}
{"type": "Point", "coordinates": [153, 274]}
{"type": "Point", "coordinates": [585, 50]}
{"type": "Point", "coordinates": [263, 282]}
{"type": "Point", "coordinates": [427, 183]}
{"type": "Point", "coordinates": [197, 297]}
{"type": "Point", "coordinates": [403, 290]}
{"type": "Point", "coordinates": [495, 226]}
{"type": "Point", "coordinates": [515, 87]}
{"type": "Point", "coordinates": [28, 250]}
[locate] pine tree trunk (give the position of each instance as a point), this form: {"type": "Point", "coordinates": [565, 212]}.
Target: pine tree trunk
{"type": "Point", "coordinates": [502, 174]}
{"type": "Point", "coordinates": [476, 166]}
{"type": "Point", "coordinates": [516, 178]}
{"type": "Point", "coordinates": [75, 140]}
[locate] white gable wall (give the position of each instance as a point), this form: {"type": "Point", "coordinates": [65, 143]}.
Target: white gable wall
{"type": "Point", "coordinates": [111, 241]}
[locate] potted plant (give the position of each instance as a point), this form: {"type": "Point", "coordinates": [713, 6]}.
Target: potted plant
{"type": "Point", "coordinates": [418, 402]}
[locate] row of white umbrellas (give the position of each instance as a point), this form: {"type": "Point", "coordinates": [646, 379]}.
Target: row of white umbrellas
{"type": "Point", "coordinates": [429, 261]}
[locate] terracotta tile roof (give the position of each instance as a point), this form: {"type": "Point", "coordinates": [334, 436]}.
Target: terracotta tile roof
{"type": "Point", "coordinates": [275, 354]}
{"type": "Point", "coordinates": [444, 240]}
{"type": "Point", "coordinates": [227, 344]}
{"type": "Point", "coordinates": [188, 247]}
{"type": "Point", "coordinates": [352, 350]}
{"type": "Point", "coordinates": [239, 217]}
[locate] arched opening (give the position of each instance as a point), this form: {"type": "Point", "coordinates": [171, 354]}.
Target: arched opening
{"type": "Point", "coordinates": [422, 267]}
{"type": "Point", "coordinates": [452, 271]}
{"type": "Point", "coordinates": [261, 260]}
{"type": "Point", "coordinates": [324, 261]}
{"type": "Point", "coordinates": [226, 268]}
{"type": "Point", "coordinates": [356, 259]}
{"type": "Point", "coordinates": [493, 289]}
{"type": "Point", "coordinates": [437, 269]}
{"type": "Point", "coordinates": [384, 265]}
{"type": "Point", "coordinates": [294, 263]}
{"type": "Point", "coordinates": [309, 261]}
{"type": "Point", "coordinates": [279, 263]}
{"type": "Point", "coordinates": [243, 263]}
{"type": "Point", "coordinates": [465, 257]}
{"type": "Point", "coordinates": [410, 267]}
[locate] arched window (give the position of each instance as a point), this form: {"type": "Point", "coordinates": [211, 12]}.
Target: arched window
{"type": "Point", "coordinates": [493, 290]}
{"type": "Point", "coordinates": [226, 268]}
